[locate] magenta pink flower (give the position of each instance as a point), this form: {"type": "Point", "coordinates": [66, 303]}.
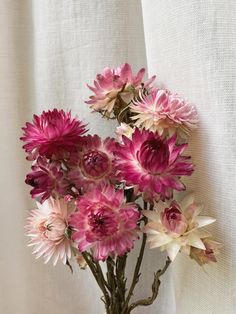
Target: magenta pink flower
{"type": "Point", "coordinates": [173, 219]}
{"type": "Point", "coordinates": [54, 133]}
{"type": "Point", "coordinates": [104, 223]}
{"type": "Point", "coordinates": [48, 229]}
{"type": "Point", "coordinates": [94, 162]}
{"type": "Point", "coordinates": [47, 179]}
{"type": "Point", "coordinates": [152, 163]}
{"type": "Point", "coordinates": [113, 83]}
{"type": "Point", "coordinates": [163, 111]}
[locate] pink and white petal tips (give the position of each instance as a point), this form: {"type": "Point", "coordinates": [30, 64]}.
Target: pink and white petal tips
{"type": "Point", "coordinates": [94, 163]}
{"type": "Point", "coordinates": [104, 223]}
{"type": "Point", "coordinates": [47, 226]}
{"type": "Point", "coordinates": [47, 179]}
{"type": "Point", "coordinates": [164, 112]}
{"type": "Point", "coordinates": [114, 82]}
{"type": "Point", "coordinates": [153, 163]}
{"type": "Point", "coordinates": [53, 133]}
{"type": "Point", "coordinates": [123, 130]}
{"type": "Point", "coordinates": [175, 228]}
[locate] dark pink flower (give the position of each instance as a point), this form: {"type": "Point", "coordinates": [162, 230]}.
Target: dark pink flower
{"type": "Point", "coordinates": [113, 82]}
{"type": "Point", "coordinates": [152, 163]}
{"type": "Point", "coordinates": [47, 179]}
{"type": "Point", "coordinates": [173, 219]}
{"type": "Point", "coordinates": [104, 223]}
{"type": "Point", "coordinates": [94, 162]}
{"type": "Point", "coordinates": [54, 133]}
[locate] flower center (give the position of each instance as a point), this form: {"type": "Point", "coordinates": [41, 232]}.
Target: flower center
{"type": "Point", "coordinates": [53, 228]}
{"type": "Point", "coordinates": [154, 155]}
{"type": "Point", "coordinates": [95, 164]}
{"type": "Point", "coordinates": [103, 222]}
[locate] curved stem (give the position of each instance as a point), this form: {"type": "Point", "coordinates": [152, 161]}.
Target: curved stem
{"type": "Point", "coordinates": [155, 289]}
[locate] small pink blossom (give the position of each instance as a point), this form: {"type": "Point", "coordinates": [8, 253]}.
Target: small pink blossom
{"type": "Point", "coordinates": [94, 163]}
{"type": "Point", "coordinates": [152, 163]}
{"type": "Point", "coordinates": [114, 83]}
{"type": "Point", "coordinates": [123, 130]}
{"type": "Point", "coordinates": [163, 111]}
{"type": "Point", "coordinates": [104, 223]}
{"type": "Point", "coordinates": [52, 134]}
{"type": "Point", "coordinates": [173, 220]}
{"type": "Point", "coordinates": [208, 255]}
{"type": "Point", "coordinates": [48, 229]}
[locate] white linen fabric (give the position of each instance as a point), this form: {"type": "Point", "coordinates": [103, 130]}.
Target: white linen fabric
{"type": "Point", "coordinates": [48, 50]}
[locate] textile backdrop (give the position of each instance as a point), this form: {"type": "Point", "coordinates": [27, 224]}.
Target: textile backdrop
{"type": "Point", "coordinates": [48, 50]}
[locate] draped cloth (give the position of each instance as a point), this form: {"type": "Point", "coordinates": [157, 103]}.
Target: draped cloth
{"type": "Point", "coordinates": [48, 50]}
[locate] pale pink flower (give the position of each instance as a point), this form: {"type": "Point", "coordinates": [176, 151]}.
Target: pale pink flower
{"type": "Point", "coordinates": [152, 163]}
{"type": "Point", "coordinates": [114, 83]}
{"type": "Point", "coordinates": [94, 163]}
{"type": "Point", "coordinates": [48, 228]}
{"type": "Point", "coordinates": [123, 130]}
{"type": "Point", "coordinates": [163, 111]}
{"type": "Point", "coordinates": [177, 227]}
{"type": "Point", "coordinates": [53, 133]}
{"type": "Point", "coordinates": [104, 223]}
{"type": "Point", "coordinates": [208, 255]}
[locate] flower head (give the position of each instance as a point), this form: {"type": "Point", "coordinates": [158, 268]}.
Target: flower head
{"type": "Point", "coordinates": [47, 179]}
{"type": "Point", "coordinates": [163, 111]}
{"type": "Point", "coordinates": [94, 163]}
{"type": "Point", "coordinates": [152, 163]}
{"type": "Point", "coordinates": [104, 223]}
{"type": "Point", "coordinates": [115, 83]}
{"type": "Point", "coordinates": [208, 255]}
{"type": "Point", "coordinates": [123, 130]}
{"type": "Point", "coordinates": [177, 227]}
{"type": "Point", "coordinates": [53, 134]}
{"type": "Point", "coordinates": [49, 231]}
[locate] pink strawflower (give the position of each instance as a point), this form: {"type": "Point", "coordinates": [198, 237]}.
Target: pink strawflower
{"type": "Point", "coordinates": [114, 83]}
{"type": "Point", "coordinates": [163, 111]}
{"type": "Point", "coordinates": [94, 163]}
{"type": "Point", "coordinates": [49, 231]}
{"type": "Point", "coordinates": [53, 133]}
{"type": "Point", "coordinates": [152, 163]}
{"type": "Point", "coordinates": [104, 223]}
{"type": "Point", "coordinates": [208, 255]}
{"type": "Point", "coordinates": [47, 179]}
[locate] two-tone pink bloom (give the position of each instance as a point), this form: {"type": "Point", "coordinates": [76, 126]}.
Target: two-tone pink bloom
{"type": "Point", "coordinates": [152, 163]}
{"type": "Point", "coordinates": [47, 179]}
{"type": "Point", "coordinates": [114, 83]}
{"type": "Point", "coordinates": [48, 228]}
{"type": "Point", "coordinates": [94, 163]}
{"type": "Point", "coordinates": [52, 134]}
{"type": "Point", "coordinates": [178, 227]}
{"type": "Point", "coordinates": [163, 111]}
{"type": "Point", "coordinates": [104, 223]}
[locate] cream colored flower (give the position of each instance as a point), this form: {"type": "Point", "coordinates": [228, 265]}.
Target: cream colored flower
{"type": "Point", "coordinates": [177, 227]}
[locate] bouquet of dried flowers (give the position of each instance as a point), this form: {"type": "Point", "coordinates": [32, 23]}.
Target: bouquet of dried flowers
{"type": "Point", "coordinates": [96, 197]}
